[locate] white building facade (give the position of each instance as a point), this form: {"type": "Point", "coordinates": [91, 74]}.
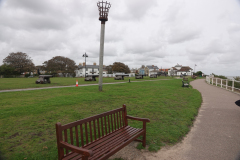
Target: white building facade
{"type": "Point", "coordinates": [94, 69]}
{"type": "Point", "coordinates": [152, 69]}
{"type": "Point", "coordinates": [180, 70]}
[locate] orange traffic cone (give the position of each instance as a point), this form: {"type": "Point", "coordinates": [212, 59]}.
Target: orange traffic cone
{"type": "Point", "coordinates": [76, 83]}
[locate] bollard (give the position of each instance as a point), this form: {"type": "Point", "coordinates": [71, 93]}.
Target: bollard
{"type": "Point", "coordinates": [129, 80]}
{"type": "Point", "coordinates": [76, 83]}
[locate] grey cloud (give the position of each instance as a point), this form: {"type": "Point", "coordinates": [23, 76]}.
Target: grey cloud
{"type": "Point", "coordinates": [132, 10]}
{"type": "Point", "coordinates": [179, 35]}
{"type": "Point", "coordinates": [138, 8]}
{"type": "Point", "coordinates": [174, 13]}
{"type": "Point", "coordinates": [142, 46]}
{"type": "Point", "coordinates": [233, 28]}
{"type": "Point", "coordinates": [33, 6]}
{"type": "Point", "coordinates": [229, 58]}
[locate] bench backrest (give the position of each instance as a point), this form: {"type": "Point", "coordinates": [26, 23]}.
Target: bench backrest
{"type": "Point", "coordinates": [83, 132]}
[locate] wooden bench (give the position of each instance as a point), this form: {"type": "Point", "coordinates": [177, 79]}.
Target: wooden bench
{"type": "Point", "coordinates": [194, 77]}
{"type": "Point", "coordinates": [98, 137]}
{"type": "Point", "coordinates": [185, 84]}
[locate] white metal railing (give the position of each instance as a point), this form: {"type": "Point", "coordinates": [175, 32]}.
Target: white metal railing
{"type": "Point", "coordinates": [228, 84]}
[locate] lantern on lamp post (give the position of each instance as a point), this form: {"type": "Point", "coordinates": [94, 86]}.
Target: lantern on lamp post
{"type": "Point", "coordinates": [103, 8]}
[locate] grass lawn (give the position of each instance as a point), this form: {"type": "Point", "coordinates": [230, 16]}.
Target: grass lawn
{"type": "Point", "coordinates": [19, 83]}
{"type": "Point", "coordinates": [27, 118]}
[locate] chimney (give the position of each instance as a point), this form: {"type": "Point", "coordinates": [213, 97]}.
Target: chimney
{"type": "Point", "coordinates": [83, 63]}
{"type": "Point", "coordinates": [94, 63]}
{"type": "Point", "coordinates": [153, 65]}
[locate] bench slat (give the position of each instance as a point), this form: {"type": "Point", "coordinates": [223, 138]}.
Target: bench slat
{"type": "Point", "coordinates": [98, 128]}
{"type": "Point", "coordinates": [94, 128]}
{"type": "Point", "coordinates": [71, 155]}
{"type": "Point", "coordinates": [90, 126]}
{"type": "Point", "coordinates": [105, 138]}
{"type": "Point", "coordinates": [76, 133]}
{"type": "Point", "coordinates": [81, 130]}
{"type": "Point", "coordinates": [66, 139]}
{"type": "Point", "coordinates": [71, 136]}
{"type": "Point", "coordinates": [117, 121]}
{"type": "Point", "coordinates": [114, 141]}
{"type": "Point", "coordinates": [115, 150]}
{"type": "Point", "coordinates": [86, 133]}
{"type": "Point", "coordinates": [79, 157]}
{"type": "Point", "coordinates": [124, 134]}
{"type": "Point", "coordinates": [114, 115]}
{"type": "Point", "coordinates": [111, 122]}
{"type": "Point", "coordinates": [105, 119]}
{"type": "Point", "coordinates": [108, 124]}
{"type": "Point", "coordinates": [121, 124]}
{"type": "Point", "coordinates": [102, 126]}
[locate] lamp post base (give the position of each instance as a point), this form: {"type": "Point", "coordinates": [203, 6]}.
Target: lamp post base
{"type": "Point", "coordinates": [100, 88]}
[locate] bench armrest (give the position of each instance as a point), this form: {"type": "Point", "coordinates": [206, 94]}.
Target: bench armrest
{"type": "Point", "coordinates": [138, 119]}
{"type": "Point", "coordinates": [76, 149]}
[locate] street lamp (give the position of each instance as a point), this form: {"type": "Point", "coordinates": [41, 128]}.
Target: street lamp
{"type": "Point", "coordinates": [85, 55]}
{"type": "Point", "coordinates": [103, 8]}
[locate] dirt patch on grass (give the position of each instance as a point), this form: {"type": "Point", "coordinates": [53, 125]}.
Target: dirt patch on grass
{"type": "Point", "coordinates": [13, 136]}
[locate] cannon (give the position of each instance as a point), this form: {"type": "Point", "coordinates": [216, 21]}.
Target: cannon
{"type": "Point", "coordinates": [120, 76]}
{"type": "Point", "coordinates": [43, 79]}
{"type": "Point", "coordinates": [91, 77]}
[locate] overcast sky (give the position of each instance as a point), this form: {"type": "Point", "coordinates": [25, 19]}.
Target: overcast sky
{"type": "Point", "coordinates": [138, 32]}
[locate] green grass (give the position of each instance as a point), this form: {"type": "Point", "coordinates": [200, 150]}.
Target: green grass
{"type": "Point", "coordinates": [27, 118]}
{"type": "Point", "coordinates": [19, 83]}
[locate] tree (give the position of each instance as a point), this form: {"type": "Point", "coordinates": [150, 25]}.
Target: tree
{"type": "Point", "coordinates": [109, 69]}
{"type": "Point", "coordinates": [120, 67]}
{"type": "Point", "coordinates": [20, 61]}
{"type": "Point", "coordinates": [237, 78]}
{"type": "Point", "coordinates": [199, 73]}
{"type": "Point", "coordinates": [7, 70]}
{"type": "Point", "coordinates": [60, 64]}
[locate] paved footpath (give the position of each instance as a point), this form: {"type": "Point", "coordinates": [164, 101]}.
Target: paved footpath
{"type": "Point", "coordinates": [216, 131]}
{"type": "Point", "coordinates": [80, 85]}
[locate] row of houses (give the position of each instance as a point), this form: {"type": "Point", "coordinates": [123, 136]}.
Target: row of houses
{"type": "Point", "coordinates": [144, 70]}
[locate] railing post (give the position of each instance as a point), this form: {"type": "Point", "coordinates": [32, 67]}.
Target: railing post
{"type": "Point", "coordinates": [221, 83]}
{"type": "Point", "coordinates": [233, 85]}
{"type": "Point", "coordinates": [226, 84]}
{"type": "Point", "coordinates": [216, 81]}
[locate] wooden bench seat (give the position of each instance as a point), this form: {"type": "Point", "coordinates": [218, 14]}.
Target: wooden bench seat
{"type": "Point", "coordinates": [98, 137]}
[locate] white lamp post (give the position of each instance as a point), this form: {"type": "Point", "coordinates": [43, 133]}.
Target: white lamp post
{"type": "Point", "coordinates": [103, 8]}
